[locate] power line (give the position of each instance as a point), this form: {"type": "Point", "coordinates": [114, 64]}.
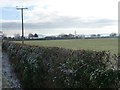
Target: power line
{"type": "Point", "coordinates": [22, 22]}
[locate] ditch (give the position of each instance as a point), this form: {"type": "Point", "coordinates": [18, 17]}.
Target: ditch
{"type": "Point", "coordinates": [9, 79]}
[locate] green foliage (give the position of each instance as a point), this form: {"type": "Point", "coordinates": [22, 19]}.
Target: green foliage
{"type": "Point", "coordinates": [54, 67]}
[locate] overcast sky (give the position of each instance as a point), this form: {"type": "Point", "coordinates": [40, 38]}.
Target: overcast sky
{"type": "Point", "coordinates": [53, 17]}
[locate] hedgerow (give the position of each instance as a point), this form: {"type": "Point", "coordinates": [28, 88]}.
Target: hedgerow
{"type": "Point", "coordinates": [53, 67]}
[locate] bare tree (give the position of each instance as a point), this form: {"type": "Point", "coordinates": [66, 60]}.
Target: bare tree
{"type": "Point", "coordinates": [30, 36]}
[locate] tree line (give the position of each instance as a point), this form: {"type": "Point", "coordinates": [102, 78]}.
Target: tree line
{"type": "Point", "coordinates": [61, 36]}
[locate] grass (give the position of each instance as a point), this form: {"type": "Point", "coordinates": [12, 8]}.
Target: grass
{"type": "Point", "coordinates": [107, 44]}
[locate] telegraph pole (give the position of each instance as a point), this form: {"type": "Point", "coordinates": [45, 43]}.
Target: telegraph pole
{"type": "Point", "coordinates": [22, 22]}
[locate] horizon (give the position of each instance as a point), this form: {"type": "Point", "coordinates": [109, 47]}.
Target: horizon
{"type": "Point", "coordinates": [78, 34]}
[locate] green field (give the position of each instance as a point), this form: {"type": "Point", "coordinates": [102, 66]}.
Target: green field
{"type": "Point", "coordinates": [108, 44]}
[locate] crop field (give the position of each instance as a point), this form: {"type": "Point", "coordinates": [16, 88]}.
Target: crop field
{"type": "Point", "coordinates": [107, 44]}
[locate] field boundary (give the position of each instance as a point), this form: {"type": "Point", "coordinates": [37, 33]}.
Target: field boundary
{"type": "Point", "coordinates": [62, 68]}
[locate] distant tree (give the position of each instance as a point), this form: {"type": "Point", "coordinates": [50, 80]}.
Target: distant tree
{"type": "Point", "coordinates": [9, 37]}
{"type": "Point", "coordinates": [4, 37]}
{"type": "Point", "coordinates": [63, 36]}
{"type": "Point", "coordinates": [113, 35]}
{"type": "Point", "coordinates": [35, 35]}
{"type": "Point", "coordinates": [81, 36]}
{"type": "Point", "coordinates": [50, 37]}
{"type": "Point", "coordinates": [93, 35]}
{"type": "Point", "coordinates": [71, 36]}
{"type": "Point", "coordinates": [98, 35]}
{"type": "Point", "coordinates": [30, 36]}
{"type": "Point", "coordinates": [16, 36]}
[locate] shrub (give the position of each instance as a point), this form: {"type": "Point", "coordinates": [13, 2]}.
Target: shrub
{"type": "Point", "coordinates": [54, 67]}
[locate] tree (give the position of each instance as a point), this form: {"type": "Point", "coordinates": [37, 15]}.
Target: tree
{"type": "Point", "coordinates": [9, 37]}
{"type": "Point", "coordinates": [93, 36]}
{"type": "Point", "coordinates": [63, 36]}
{"type": "Point", "coordinates": [35, 35]}
{"type": "Point", "coordinates": [16, 36]}
{"type": "Point", "coordinates": [71, 36]}
{"type": "Point", "coordinates": [30, 36]}
{"type": "Point", "coordinates": [81, 36]}
{"type": "Point", "coordinates": [113, 35]}
{"type": "Point", "coordinates": [98, 35]}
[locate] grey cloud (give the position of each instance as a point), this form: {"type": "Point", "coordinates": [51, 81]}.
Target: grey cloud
{"type": "Point", "coordinates": [60, 22]}
{"type": "Point", "coordinates": [10, 25]}
{"type": "Point", "coordinates": [67, 22]}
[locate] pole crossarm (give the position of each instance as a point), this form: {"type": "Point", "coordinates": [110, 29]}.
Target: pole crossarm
{"type": "Point", "coordinates": [21, 8]}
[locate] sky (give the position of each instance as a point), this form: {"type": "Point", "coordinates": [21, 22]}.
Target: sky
{"type": "Point", "coordinates": [53, 17]}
